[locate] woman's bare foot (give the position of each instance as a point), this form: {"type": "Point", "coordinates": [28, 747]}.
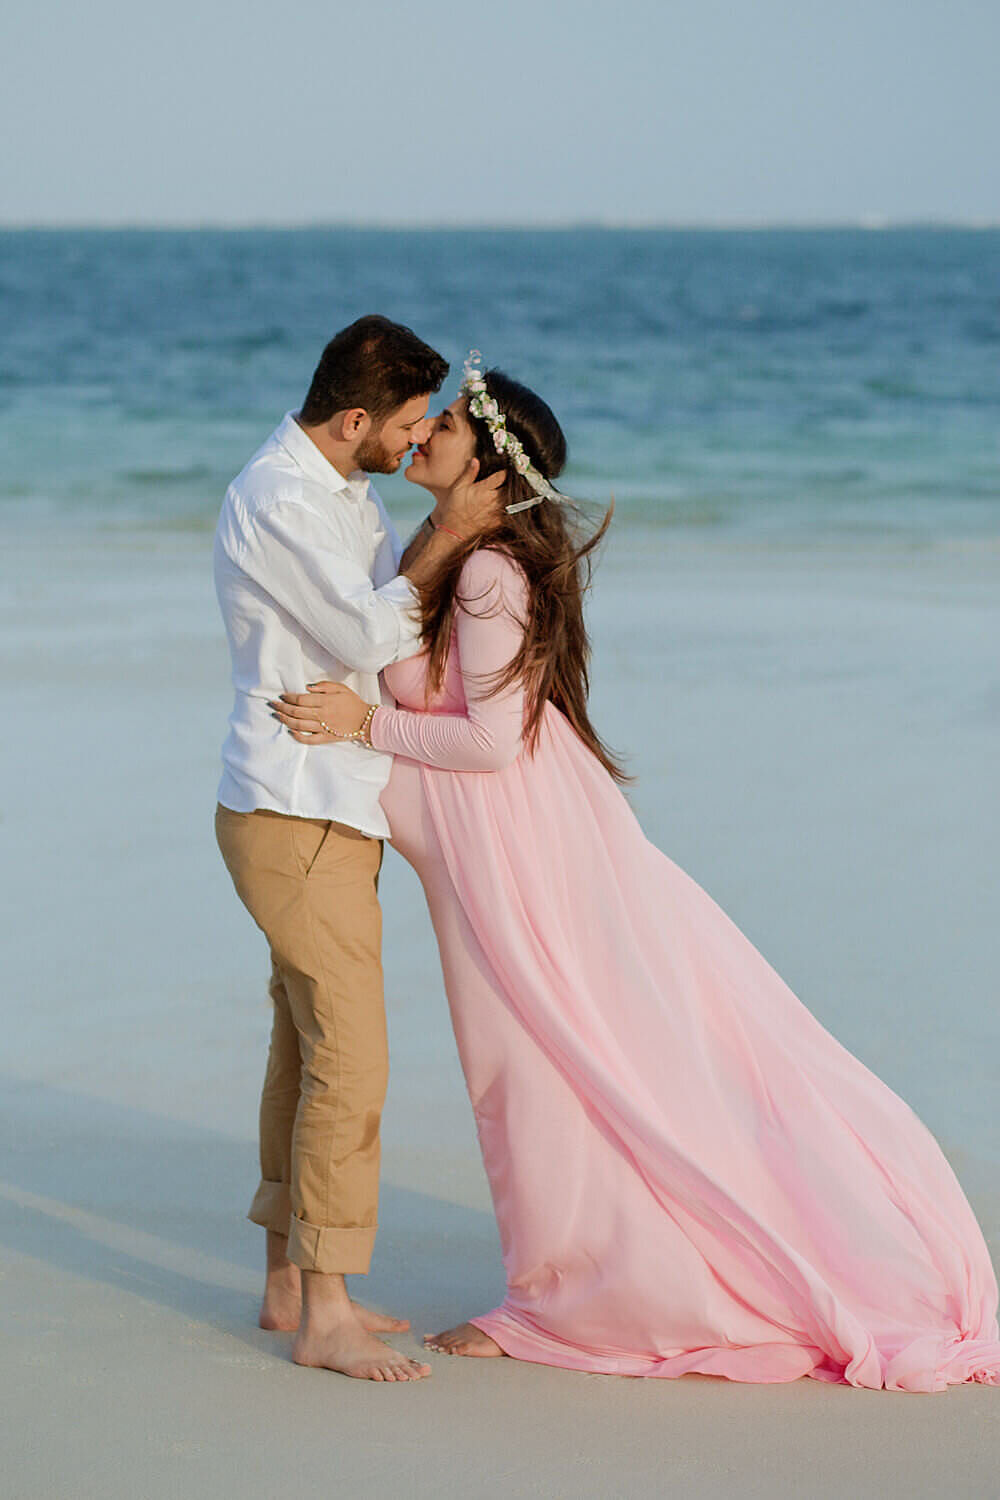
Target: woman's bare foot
{"type": "Point", "coordinates": [352, 1350]}
{"type": "Point", "coordinates": [465, 1339]}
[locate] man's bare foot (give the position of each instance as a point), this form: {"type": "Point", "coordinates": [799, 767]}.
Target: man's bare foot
{"type": "Point", "coordinates": [281, 1312]}
{"type": "Point", "coordinates": [377, 1322]}
{"type": "Point", "coordinates": [465, 1339]}
{"type": "Point", "coordinates": [332, 1337]}
{"type": "Point", "coordinates": [281, 1309]}
{"type": "Point", "coordinates": [352, 1350]}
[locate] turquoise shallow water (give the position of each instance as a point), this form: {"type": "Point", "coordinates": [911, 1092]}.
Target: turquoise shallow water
{"type": "Point", "coordinates": [766, 382]}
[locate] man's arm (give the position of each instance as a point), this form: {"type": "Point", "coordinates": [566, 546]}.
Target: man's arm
{"type": "Point", "coordinates": [417, 543]}
{"type": "Point", "coordinates": [293, 557]}
{"type": "Point", "coordinates": [460, 515]}
{"type": "Point", "coordinates": [427, 547]}
{"type": "Point", "coordinates": [425, 553]}
{"type": "Point", "coordinates": [296, 558]}
{"type": "Point", "coordinates": [412, 564]}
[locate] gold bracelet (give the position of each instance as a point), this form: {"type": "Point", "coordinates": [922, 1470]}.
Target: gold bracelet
{"type": "Point", "coordinates": [364, 733]}
{"type": "Point", "coordinates": [361, 733]}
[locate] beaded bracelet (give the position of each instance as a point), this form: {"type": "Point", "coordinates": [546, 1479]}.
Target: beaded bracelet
{"type": "Point", "coordinates": [362, 733]}
{"type": "Point", "coordinates": [365, 732]}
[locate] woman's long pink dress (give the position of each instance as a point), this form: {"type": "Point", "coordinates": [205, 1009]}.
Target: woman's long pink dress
{"type": "Point", "coordinates": [689, 1173]}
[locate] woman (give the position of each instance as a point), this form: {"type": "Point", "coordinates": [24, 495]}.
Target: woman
{"type": "Point", "coordinates": [689, 1173]}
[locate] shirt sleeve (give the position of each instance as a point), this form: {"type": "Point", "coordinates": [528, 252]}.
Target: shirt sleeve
{"type": "Point", "coordinates": [489, 628]}
{"type": "Point", "coordinates": [390, 548]}
{"type": "Point", "coordinates": [294, 556]}
{"type": "Point", "coordinates": [386, 567]}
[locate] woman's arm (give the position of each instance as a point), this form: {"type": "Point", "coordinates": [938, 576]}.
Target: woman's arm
{"type": "Point", "coordinates": [491, 606]}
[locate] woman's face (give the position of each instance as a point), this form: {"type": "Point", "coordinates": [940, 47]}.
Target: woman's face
{"type": "Point", "coordinates": [440, 461]}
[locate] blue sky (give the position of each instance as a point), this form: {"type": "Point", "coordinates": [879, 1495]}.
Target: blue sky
{"type": "Point", "coordinates": [511, 112]}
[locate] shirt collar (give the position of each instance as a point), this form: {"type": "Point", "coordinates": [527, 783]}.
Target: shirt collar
{"type": "Point", "coordinates": [305, 453]}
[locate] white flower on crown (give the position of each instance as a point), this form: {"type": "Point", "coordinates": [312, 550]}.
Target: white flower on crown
{"type": "Point", "coordinates": [484, 406]}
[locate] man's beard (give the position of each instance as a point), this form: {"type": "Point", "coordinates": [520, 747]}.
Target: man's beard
{"type": "Point", "coordinates": [374, 457]}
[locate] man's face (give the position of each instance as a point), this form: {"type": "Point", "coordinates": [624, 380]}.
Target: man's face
{"type": "Point", "coordinates": [383, 450]}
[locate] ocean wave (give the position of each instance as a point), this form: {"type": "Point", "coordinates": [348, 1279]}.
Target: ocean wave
{"type": "Point", "coordinates": [166, 476]}
{"type": "Point", "coordinates": [711, 380]}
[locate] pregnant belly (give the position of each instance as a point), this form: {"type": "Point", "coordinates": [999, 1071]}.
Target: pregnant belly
{"type": "Point", "coordinates": [405, 806]}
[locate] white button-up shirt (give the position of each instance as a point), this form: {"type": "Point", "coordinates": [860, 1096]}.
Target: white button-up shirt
{"type": "Point", "coordinates": [306, 566]}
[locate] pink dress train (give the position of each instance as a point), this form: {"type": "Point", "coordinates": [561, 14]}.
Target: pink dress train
{"type": "Point", "coordinates": [689, 1173]}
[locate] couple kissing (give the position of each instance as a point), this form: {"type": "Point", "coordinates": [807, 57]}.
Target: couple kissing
{"type": "Point", "coordinates": [689, 1173]}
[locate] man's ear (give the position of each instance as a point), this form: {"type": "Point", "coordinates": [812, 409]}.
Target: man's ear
{"type": "Point", "coordinates": [350, 425]}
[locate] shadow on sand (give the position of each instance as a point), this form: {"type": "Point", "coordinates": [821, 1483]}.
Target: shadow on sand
{"type": "Point", "coordinates": [156, 1207]}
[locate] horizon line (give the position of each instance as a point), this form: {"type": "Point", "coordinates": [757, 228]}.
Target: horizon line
{"type": "Point", "coordinates": [870, 222]}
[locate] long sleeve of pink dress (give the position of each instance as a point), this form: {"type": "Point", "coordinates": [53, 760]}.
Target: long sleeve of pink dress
{"type": "Point", "coordinates": [487, 634]}
{"type": "Point", "coordinates": [689, 1173]}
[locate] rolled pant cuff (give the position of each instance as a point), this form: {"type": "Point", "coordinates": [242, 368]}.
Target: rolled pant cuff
{"type": "Point", "coordinates": [344, 1251]}
{"type": "Point", "coordinates": [272, 1207]}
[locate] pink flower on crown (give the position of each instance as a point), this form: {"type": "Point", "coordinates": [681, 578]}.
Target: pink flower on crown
{"type": "Point", "coordinates": [500, 439]}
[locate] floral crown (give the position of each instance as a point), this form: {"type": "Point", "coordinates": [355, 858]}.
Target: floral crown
{"type": "Point", "coordinates": [482, 405]}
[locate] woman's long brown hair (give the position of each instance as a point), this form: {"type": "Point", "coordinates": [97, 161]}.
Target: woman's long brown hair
{"type": "Point", "coordinates": [549, 544]}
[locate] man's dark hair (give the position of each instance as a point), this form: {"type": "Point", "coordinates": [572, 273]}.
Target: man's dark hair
{"type": "Point", "coordinates": [374, 364]}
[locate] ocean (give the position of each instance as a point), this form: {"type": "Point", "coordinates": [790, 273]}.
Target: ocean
{"type": "Point", "coordinates": [794, 626]}
{"type": "Point", "coordinates": [779, 384]}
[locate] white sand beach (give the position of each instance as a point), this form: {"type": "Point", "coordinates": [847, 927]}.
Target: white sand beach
{"type": "Point", "coordinates": [816, 738]}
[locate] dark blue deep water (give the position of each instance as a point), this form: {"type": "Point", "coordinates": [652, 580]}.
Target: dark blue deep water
{"type": "Point", "coordinates": [774, 382]}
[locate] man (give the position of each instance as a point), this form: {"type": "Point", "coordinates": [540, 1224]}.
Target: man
{"type": "Point", "coordinates": [306, 573]}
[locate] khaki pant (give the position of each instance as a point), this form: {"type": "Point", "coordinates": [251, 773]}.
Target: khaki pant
{"type": "Point", "coordinates": [311, 888]}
